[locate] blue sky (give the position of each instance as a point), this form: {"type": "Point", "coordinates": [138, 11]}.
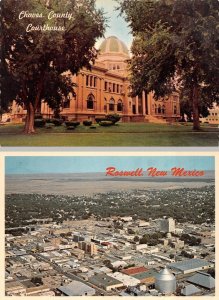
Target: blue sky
{"type": "Point", "coordinates": [78, 164]}
{"type": "Point", "coordinates": [116, 24]}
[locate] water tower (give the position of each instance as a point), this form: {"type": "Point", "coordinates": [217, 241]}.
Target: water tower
{"type": "Point", "coordinates": [165, 282]}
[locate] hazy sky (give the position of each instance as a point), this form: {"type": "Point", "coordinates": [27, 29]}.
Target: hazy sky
{"type": "Point", "coordinates": [78, 164]}
{"type": "Point", "coordinates": [116, 24]}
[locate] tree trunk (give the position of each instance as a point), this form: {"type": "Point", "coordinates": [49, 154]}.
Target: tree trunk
{"type": "Point", "coordinates": [182, 117]}
{"type": "Point", "coordinates": [29, 122]}
{"type": "Point", "coordinates": [195, 108]}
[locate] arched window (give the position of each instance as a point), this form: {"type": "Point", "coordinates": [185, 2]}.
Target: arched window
{"type": "Point", "coordinates": [175, 110]}
{"type": "Point", "coordinates": [111, 104]}
{"type": "Point", "coordinates": [163, 109]}
{"type": "Point", "coordinates": [119, 105]}
{"type": "Point", "coordinates": [90, 102]}
{"type": "Point", "coordinates": [159, 109]}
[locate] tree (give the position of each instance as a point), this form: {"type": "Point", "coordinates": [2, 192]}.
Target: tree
{"type": "Point", "coordinates": [37, 281]}
{"type": "Point", "coordinates": [136, 239]}
{"type": "Point", "coordinates": [186, 105]}
{"type": "Point", "coordinates": [42, 57]}
{"type": "Point", "coordinates": [175, 46]}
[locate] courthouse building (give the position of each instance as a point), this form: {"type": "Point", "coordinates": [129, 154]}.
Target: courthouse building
{"type": "Point", "coordinates": [105, 89]}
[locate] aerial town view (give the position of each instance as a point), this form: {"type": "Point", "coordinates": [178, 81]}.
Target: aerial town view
{"type": "Point", "coordinates": [133, 73]}
{"type": "Point", "coordinates": [74, 227]}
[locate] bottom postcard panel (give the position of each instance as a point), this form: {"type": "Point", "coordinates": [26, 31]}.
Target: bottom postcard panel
{"type": "Point", "coordinates": [109, 225]}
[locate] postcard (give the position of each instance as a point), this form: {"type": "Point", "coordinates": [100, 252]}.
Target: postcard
{"type": "Point", "coordinates": [109, 73]}
{"type": "Point", "coordinates": [110, 225]}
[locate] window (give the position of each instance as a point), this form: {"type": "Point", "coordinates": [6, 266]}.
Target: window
{"type": "Point", "coordinates": [105, 85]}
{"type": "Point", "coordinates": [163, 109]}
{"type": "Point", "coordinates": [91, 80]}
{"type": "Point", "coordinates": [159, 109]}
{"type": "Point", "coordinates": [117, 88]}
{"type": "Point", "coordinates": [118, 67]}
{"type": "Point", "coordinates": [95, 81]}
{"type": "Point", "coordinates": [156, 111]}
{"type": "Point", "coordinates": [87, 80]}
{"type": "Point", "coordinates": [175, 110]}
{"type": "Point", "coordinates": [105, 105]}
{"type": "Point", "coordinates": [66, 103]}
{"type": "Point", "coordinates": [90, 102]}
{"type": "Point", "coordinates": [110, 87]}
{"type": "Point", "coordinates": [111, 104]}
{"type": "Point", "coordinates": [114, 89]}
{"type": "Point", "coordinates": [119, 105]}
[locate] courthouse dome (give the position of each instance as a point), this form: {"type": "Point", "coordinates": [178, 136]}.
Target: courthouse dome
{"type": "Point", "coordinates": [114, 46]}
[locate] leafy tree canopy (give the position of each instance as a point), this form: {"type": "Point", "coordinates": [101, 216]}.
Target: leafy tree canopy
{"type": "Point", "coordinates": [39, 64]}
{"type": "Point", "coordinates": [175, 46]}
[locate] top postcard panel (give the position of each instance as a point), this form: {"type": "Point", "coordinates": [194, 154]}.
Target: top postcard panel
{"type": "Point", "coordinates": [109, 73]}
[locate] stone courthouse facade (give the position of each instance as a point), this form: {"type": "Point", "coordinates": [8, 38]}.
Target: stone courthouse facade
{"type": "Point", "coordinates": [105, 90]}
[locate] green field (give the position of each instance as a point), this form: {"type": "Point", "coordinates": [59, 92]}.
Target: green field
{"type": "Point", "coordinates": [122, 134]}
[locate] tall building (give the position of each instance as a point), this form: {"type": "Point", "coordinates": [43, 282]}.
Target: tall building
{"type": "Point", "coordinates": [167, 225]}
{"type": "Point", "coordinates": [88, 247]}
{"type": "Point", "coordinates": [105, 90]}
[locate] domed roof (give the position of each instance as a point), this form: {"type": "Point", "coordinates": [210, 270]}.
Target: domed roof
{"type": "Point", "coordinates": [165, 275]}
{"type": "Point", "coordinates": [113, 45]}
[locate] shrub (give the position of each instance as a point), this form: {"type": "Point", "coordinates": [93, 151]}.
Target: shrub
{"type": "Point", "coordinates": [87, 123]}
{"type": "Point", "coordinates": [98, 120]}
{"type": "Point", "coordinates": [38, 117]}
{"type": "Point", "coordinates": [57, 122]}
{"type": "Point", "coordinates": [106, 123]}
{"type": "Point", "coordinates": [71, 124]}
{"type": "Point", "coordinates": [39, 123]}
{"type": "Point", "coordinates": [113, 117]}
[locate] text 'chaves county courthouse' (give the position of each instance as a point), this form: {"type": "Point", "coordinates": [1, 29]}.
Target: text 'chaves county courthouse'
{"type": "Point", "coordinates": [105, 90]}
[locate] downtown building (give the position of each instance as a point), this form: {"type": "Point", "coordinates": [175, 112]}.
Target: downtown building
{"type": "Point", "coordinates": [105, 89]}
{"type": "Point", "coordinates": [167, 225]}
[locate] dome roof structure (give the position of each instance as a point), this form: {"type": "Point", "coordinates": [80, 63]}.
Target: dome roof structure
{"type": "Point", "coordinates": [114, 54]}
{"type": "Point", "coordinates": [113, 45]}
{"type": "Point", "coordinates": [165, 281]}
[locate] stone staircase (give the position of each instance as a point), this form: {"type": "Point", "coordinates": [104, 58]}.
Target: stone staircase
{"type": "Point", "coordinates": [154, 119]}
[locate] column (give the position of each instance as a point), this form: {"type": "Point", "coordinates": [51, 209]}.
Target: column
{"type": "Point", "coordinates": [149, 103]}
{"type": "Point", "coordinates": [79, 96]}
{"type": "Point", "coordinates": [136, 105]}
{"type": "Point", "coordinates": [83, 86]}
{"type": "Point", "coordinates": [102, 100]}
{"type": "Point", "coordinates": [143, 103]}
{"type": "Point", "coordinates": [99, 96]}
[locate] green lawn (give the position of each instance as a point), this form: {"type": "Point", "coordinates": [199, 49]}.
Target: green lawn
{"type": "Point", "coordinates": [123, 134]}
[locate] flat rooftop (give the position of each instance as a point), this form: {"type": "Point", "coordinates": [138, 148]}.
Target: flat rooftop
{"type": "Point", "coordinates": [189, 264]}
{"type": "Point", "coordinates": [103, 280]}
